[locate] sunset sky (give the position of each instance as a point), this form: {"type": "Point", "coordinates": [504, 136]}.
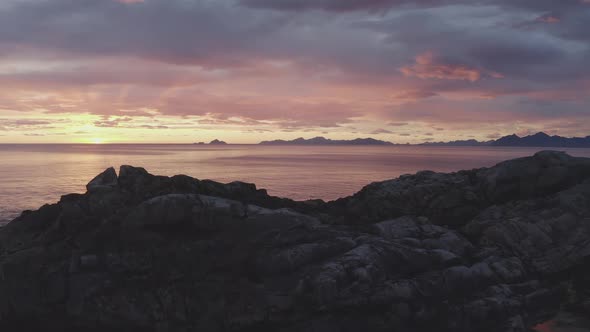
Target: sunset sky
{"type": "Point", "coordinates": [110, 71]}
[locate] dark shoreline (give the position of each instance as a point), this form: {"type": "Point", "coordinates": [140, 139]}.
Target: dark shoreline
{"type": "Point", "coordinates": [492, 249]}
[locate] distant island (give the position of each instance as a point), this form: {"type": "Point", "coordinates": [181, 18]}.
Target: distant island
{"type": "Point", "coordinates": [213, 142]}
{"type": "Point", "coordinates": [326, 141]}
{"type": "Point", "coordinates": [540, 139]}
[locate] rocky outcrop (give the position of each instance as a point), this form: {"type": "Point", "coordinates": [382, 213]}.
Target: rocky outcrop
{"type": "Point", "coordinates": [498, 249]}
{"type": "Point", "coordinates": [104, 181]}
{"type": "Point", "coordinates": [454, 199]}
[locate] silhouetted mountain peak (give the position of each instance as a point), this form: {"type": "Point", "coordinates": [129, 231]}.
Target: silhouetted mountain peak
{"type": "Point", "coordinates": [319, 140]}
{"type": "Point", "coordinates": [542, 139]}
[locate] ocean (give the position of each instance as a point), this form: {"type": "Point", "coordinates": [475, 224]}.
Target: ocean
{"type": "Point", "coordinates": [33, 175]}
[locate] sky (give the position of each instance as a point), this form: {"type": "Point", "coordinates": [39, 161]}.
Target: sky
{"type": "Point", "coordinates": [182, 71]}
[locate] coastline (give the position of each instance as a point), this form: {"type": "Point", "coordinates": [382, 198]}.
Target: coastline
{"type": "Point", "coordinates": [138, 250]}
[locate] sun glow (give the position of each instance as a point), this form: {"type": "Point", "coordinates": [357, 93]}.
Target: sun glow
{"type": "Point", "coordinates": [97, 141]}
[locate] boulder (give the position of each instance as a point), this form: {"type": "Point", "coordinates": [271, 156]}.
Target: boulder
{"type": "Point", "coordinates": [544, 173]}
{"type": "Point", "coordinates": [454, 199]}
{"type": "Point", "coordinates": [105, 181]}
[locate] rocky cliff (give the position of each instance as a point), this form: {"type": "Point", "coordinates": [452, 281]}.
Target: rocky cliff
{"type": "Point", "coordinates": [498, 249]}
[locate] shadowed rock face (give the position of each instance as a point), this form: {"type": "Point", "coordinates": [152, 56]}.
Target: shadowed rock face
{"type": "Point", "coordinates": [454, 199]}
{"type": "Point", "coordinates": [498, 249]}
{"type": "Point", "coordinates": [104, 181]}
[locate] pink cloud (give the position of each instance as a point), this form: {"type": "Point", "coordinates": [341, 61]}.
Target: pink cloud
{"type": "Point", "coordinates": [549, 19]}
{"type": "Point", "coordinates": [427, 67]}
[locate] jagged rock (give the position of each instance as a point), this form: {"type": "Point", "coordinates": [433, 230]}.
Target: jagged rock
{"type": "Point", "coordinates": [498, 249]}
{"type": "Point", "coordinates": [544, 173]}
{"type": "Point", "coordinates": [104, 181]}
{"type": "Point", "coordinates": [454, 199]}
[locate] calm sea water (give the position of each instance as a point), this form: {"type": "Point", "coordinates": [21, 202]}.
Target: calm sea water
{"type": "Point", "coordinates": [32, 175]}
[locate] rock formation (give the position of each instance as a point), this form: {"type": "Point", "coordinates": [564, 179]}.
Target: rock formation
{"type": "Point", "coordinates": [498, 249]}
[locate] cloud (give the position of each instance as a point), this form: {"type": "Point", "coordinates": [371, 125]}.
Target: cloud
{"type": "Point", "coordinates": [550, 19]}
{"type": "Point", "coordinates": [330, 5]}
{"type": "Point", "coordinates": [380, 5]}
{"type": "Point", "coordinates": [128, 122]}
{"type": "Point", "coordinates": [415, 95]}
{"type": "Point", "coordinates": [298, 65]}
{"type": "Point", "coordinates": [494, 115]}
{"type": "Point", "coordinates": [381, 131]}
{"type": "Point", "coordinates": [427, 67]}
{"type": "Point", "coordinates": [27, 124]}
{"type": "Point", "coordinates": [398, 124]}
{"type": "Point", "coordinates": [154, 127]}
{"type": "Point", "coordinates": [130, 1]}
{"type": "Point", "coordinates": [108, 121]}
{"type": "Point", "coordinates": [203, 32]}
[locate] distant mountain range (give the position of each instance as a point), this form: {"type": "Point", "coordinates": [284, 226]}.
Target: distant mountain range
{"type": "Point", "coordinates": [326, 141]}
{"type": "Point", "coordinates": [544, 140]}
{"type": "Point", "coordinates": [537, 140]}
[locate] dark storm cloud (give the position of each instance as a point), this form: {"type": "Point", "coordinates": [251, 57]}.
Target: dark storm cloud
{"type": "Point", "coordinates": [539, 53]}
{"type": "Point", "coordinates": [512, 52]}
{"type": "Point", "coordinates": [363, 5]}
{"type": "Point", "coordinates": [338, 5]}
{"type": "Point", "coordinates": [175, 31]}
{"type": "Point", "coordinates": [222, 35]}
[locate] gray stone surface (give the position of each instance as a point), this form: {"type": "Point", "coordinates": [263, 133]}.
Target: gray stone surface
{"type": "Point", "coordinates": [498, 249]}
